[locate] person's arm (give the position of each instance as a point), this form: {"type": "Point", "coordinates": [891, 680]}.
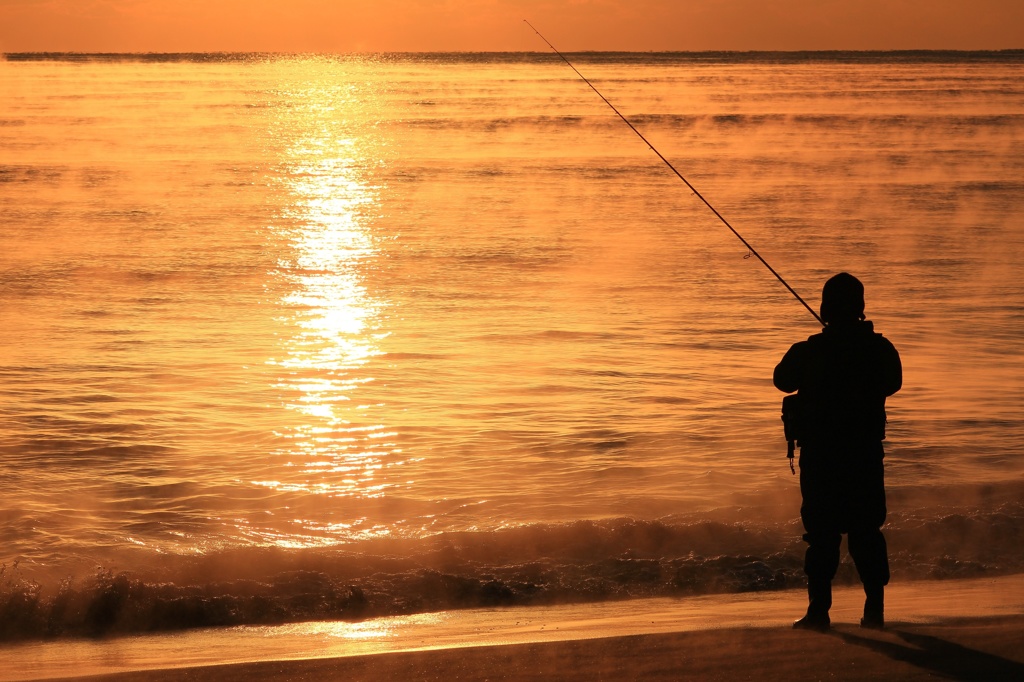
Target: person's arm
{"type": "Point", "coordinates": [893, 375]}
{"type": "Point", "coordinates": [788, 375]}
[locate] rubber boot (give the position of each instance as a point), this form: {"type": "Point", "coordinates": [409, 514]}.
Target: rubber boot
{"type": "Point", "coordinates": [819, 594]}
{"type": "Point", "coordinates": [874, 607]}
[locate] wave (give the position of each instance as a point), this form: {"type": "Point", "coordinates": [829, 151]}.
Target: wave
{"type": "Point", "coordinates": [526, 565]}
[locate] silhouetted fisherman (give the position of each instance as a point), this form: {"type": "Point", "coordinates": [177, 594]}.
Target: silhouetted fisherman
{"type": "Point", "coordinates": [843, 376]}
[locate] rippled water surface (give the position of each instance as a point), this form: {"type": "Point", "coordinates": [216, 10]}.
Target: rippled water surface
{"type": "Point", "coordinates": [299, 305]}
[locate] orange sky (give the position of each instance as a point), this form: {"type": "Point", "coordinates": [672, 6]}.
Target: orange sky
{"type": "Point", "coordinates": [426, 25]}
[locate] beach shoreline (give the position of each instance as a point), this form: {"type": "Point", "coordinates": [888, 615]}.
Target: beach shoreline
{"type": "Point", "coordinates": [967, 649]}
{"type": "Point", "coordinates": [944, 628]}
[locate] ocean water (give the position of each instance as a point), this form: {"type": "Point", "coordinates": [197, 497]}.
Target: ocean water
{"type": "Point", "coordinates": [298, 337]}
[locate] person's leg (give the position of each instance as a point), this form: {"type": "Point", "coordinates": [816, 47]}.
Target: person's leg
{"type": "Point", "coordinates": [867, 543]}
{"type": "Point", "coordinates": [870, 555]}
{"type": "Point", "coordinates": [821, 561]}
{"type": "Point", "coordinates": [823, 537]}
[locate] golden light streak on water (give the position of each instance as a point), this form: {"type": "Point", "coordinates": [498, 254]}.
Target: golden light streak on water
{"type": "Point", "coordinates": [331, 327]}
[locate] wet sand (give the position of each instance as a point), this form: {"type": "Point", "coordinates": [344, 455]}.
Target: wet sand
{"type": "Point", "coordinates": [969, 650]}
{"type": "Point", "coordinates": [963, 630]}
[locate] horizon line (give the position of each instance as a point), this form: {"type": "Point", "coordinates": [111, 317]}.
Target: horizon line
{"type": "Point", "coordinates": [849, 55]}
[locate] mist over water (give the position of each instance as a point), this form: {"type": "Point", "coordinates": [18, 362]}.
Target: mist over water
{"type": "Point", "coordinates": [297, 337]}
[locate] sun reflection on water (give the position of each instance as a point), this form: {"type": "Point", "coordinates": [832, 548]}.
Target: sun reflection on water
{"type": "Point", "coordinates": [383, 629]}
{"type": "Point", "coordinates": [335, 444]}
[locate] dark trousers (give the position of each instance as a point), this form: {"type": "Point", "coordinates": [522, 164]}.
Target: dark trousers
{"type": "Point", "coordinates": [843, 488]}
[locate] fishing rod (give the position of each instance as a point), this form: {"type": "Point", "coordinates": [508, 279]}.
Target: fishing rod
{"type": "Point", "coordinates": [693, 189]}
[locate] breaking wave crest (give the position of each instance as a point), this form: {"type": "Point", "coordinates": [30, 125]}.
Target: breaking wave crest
{"type": "Point", "coordinates": [526, 565]}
